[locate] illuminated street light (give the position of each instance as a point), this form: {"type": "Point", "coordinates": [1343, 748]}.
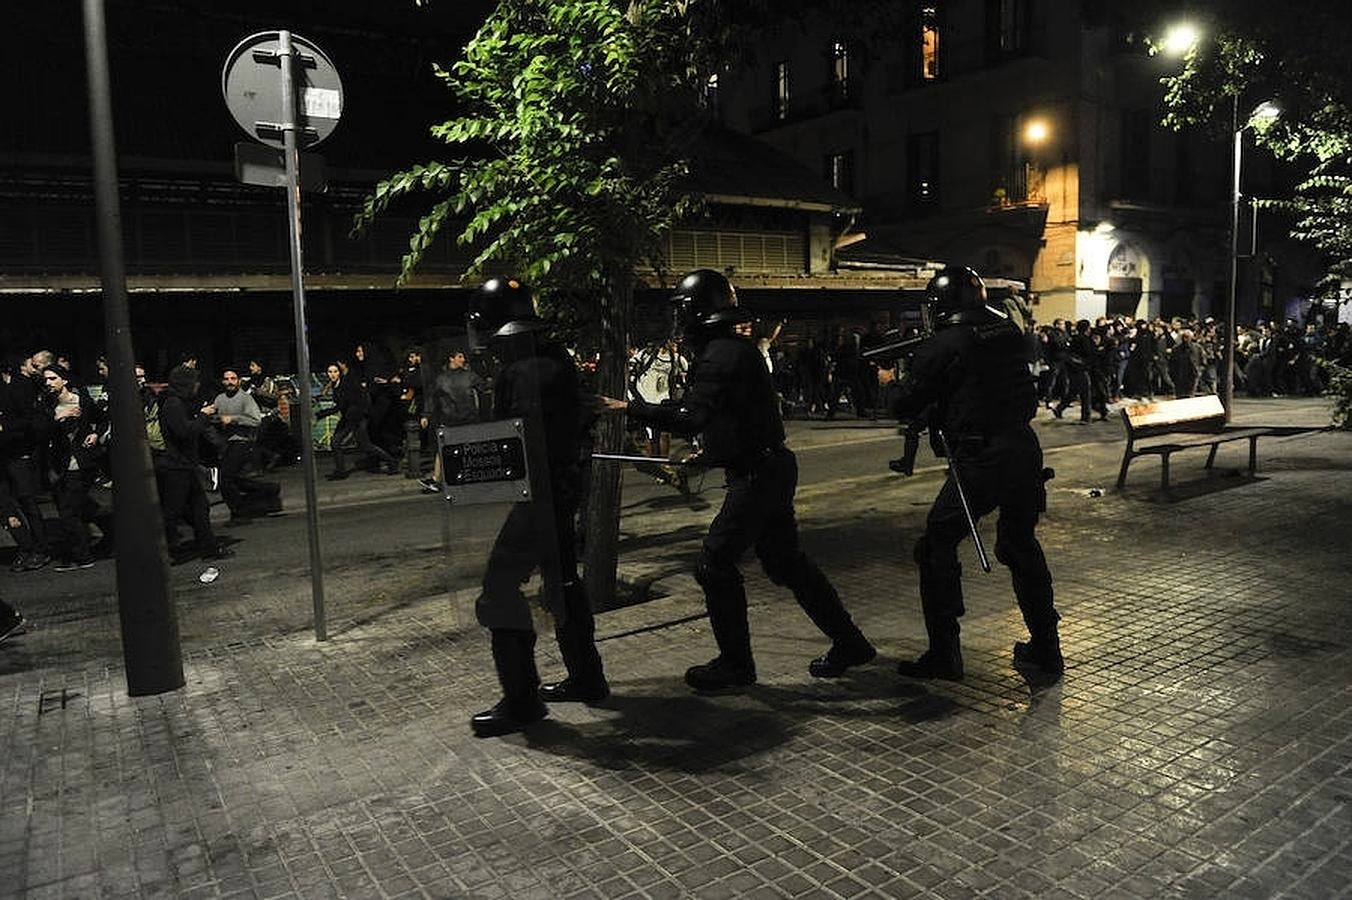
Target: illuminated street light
{"type": "Point", "coordinates": [1035, 133]}
{"type": "Point", "coordinates": [1181, 39]}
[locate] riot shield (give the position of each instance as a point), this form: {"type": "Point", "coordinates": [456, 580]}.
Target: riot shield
{"type": "Point", "coordinates": [502, 526]}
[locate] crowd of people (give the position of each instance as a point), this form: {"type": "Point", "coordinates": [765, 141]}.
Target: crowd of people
{"type": "Point", "coordinates": [1084, 362]}
{"type": "Point", "coordinates": [1115, 358]}
{"type": "Point", "coordinates": [55, 434]}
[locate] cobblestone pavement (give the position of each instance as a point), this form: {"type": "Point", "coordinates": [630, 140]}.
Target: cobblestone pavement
{"type": "Point", "coordinates": [1200, 744]}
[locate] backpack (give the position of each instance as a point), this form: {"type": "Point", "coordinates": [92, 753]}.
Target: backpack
{"type": "Point", "coordinates": [154, 437]}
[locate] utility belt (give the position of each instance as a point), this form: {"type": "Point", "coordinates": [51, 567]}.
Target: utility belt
{"type": "Point", "coordinates": [975, 442]}
{"type": "Point", "coordinates": [747, 465]}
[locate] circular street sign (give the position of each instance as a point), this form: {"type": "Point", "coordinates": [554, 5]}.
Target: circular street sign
{"type": "Point", "coordinates": [252, 85]}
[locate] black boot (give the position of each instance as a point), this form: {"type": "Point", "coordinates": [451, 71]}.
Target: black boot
{"type": "Point", "coordinates": [841, 656]}
{"type": "Point", "coordinates": [1039, 659]}
{"type": "Point", "coordinates": [721, 674]}
{"type": "Point", "coordinates": [818, 598]}
{"type": "Point", "coordinates": [725, 599]}
{"type": "Point", "coordinates": [514, 658]}
{"type": "Point", "coordinates": [576, 634]}
{"type": "Point", "coordinates": [943, 659]}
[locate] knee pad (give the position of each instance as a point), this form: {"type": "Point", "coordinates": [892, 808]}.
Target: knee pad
{"type": "Point", "coordinates": [781, 570]}
{"type": "Point", "coordinates": [1013, 553]}
{"type": "Point", "coordinates": [502, 610]}
{"type": "Point", "coordinates": [921, 551]}
{"type": "Point", "coordinates": [713, 574]}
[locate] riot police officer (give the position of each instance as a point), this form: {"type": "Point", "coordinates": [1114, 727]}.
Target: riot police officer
{"type": "Point", "coordinates": [975, 370]}
{"type": "Point", "coordinates": [538, 383]}
{"type": "Point", "coordinates": [730, 401]}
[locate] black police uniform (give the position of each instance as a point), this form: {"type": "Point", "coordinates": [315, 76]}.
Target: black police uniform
{"type": "Point", "coordinates": [539, 383]}
{"type": "Point", "coordinates": [730, 401]}
{"type": "Point", "coordinates": [977, 375]}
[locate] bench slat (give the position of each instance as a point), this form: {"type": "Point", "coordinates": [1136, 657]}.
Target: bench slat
{"type": "Point", "coordinates": [1173, 414]}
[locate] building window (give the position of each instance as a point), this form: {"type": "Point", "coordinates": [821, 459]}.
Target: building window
{"type": "Point", "coordinates": [840, 73]}
{"type": "Point", "coordinates": [1007, 25]}
{"type": "Point", "coordinates": [929, 43]}
{"type": "Point", "coordinates": [780, 107]}
{"type": "Point", "coordinates": [922, 169]}
{"type": "Point", "coordinates": [1137, 126]}
{"type": "Point", "coordinates": [840, 171]}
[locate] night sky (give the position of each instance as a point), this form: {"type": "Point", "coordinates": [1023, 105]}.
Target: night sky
{"type": "Point", "coordinates": [166, 60]}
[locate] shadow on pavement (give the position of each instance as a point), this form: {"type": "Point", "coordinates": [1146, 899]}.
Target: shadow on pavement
{"type": "Point", "coordinates": [685, 533]}
{"type": "Point", "coordinates": [1180, 491]}
{"type": "Point", "coordinates": [687, 733]}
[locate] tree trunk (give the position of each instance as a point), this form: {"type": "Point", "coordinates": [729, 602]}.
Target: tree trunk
{"type": "Point", "coordinates": [603, 504]}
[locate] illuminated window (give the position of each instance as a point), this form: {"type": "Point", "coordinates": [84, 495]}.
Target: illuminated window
{"type": "Point", "coordinates": [840, 72]}
{"type": "Point", "coordinates": [840, 171]}
{"type": "Point", "coordinates": [780, 108]}
{"type": "Point", "coordinates": [929, 43]}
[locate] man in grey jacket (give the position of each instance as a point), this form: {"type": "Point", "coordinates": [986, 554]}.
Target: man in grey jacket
{"type": "Point", "coordinates": [454, 400]}
{"type": "Point", "coordinates": [239, 417]}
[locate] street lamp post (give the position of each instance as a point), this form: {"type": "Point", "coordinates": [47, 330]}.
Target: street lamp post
{"type": "Point", "coordinates": [1231, 326]}
{"type": "Point", "coordinates": [1266, 110]}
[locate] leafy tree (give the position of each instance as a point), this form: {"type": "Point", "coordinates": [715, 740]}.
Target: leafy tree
{"type": "Point", "coordinates": [1253, 50]}
{"type": "Point", "coordinates": [577, 115]}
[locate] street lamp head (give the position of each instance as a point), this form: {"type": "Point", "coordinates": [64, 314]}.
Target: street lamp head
{"type": "Point", "coordinates": [1036, 131]}
{"type": "Point", "coordinates": [1181, 39]}
{"type": "Point", "coordinates": [1266, 112]}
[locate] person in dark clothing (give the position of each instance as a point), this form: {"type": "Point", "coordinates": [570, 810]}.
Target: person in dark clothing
{"type": "Point", "coordinates": [73, 453]}
{"type": "Point", "coordinates": [813, 369]}
{"type": "Point", "coordinates": [1057, 352]}
{"type": "Point", "coordinates": [353, 406]}
{"type": "Point", "coordinates": [730, 401]}
{"type": "Point", "coordinates": [183, 425]}
{"type": "Point", "coordinates": [1079, 364]}
{"type": "Point", "coordinates": [975, 368]}
{"type": "Point", "coordinates": [539, 383]}
{"type": "Point", "coordinates": [1161, 382]}
{"type": "Point", "coordinates": [1141, 350]}
{"type": "Point", "coordinates": [25, 455]}
{"type": "Point", "coordinates": [20, 513]}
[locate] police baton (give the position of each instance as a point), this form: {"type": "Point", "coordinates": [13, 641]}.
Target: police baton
{"type": "Point", "coordinates": [634, 458]}
{"type": "Point", "coordinates": [962, 497]}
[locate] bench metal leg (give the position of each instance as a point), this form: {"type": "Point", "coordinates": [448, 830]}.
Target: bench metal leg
{"type": "Point", "coordinates": [1211, 457]}
{"type": "Point", "coordinates": [1164, 471]}
{"type": "Point", "coordinates": [1253, 455]}
{"type": "Point", "coordinates": [1122, 474]}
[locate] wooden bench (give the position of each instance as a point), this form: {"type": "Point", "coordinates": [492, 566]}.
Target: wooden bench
{"type": "Point", "coordinates": [1183, 424]}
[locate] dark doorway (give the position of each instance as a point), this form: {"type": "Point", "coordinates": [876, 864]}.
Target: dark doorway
{"type": "Point", "coordinates": [1124, 295]}
{"type": "Point", "coordinates": [1177, 298]}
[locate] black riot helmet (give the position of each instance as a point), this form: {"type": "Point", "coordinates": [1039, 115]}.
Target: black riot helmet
{"type": "Point", "coordinates": [500, 308]}
{"type": "Point", "coordinates": [703, 302]}
{"type": "Point", "coordinates": [956, 294]}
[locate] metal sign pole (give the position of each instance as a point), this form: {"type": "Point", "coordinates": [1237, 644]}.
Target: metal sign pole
{"type": "Point", "coordinates": [302, 332]}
